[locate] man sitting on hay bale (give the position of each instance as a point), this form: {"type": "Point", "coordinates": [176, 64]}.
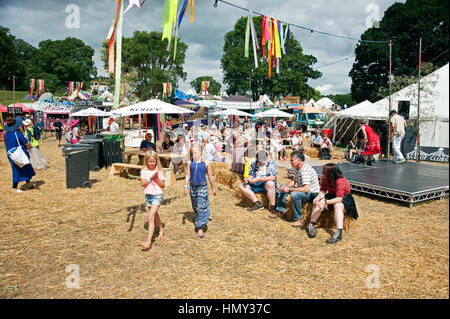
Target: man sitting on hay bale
{"type": "Point", "coordinates": [262, 179]}
{"type": "Point", "coordinates": [303, 187]}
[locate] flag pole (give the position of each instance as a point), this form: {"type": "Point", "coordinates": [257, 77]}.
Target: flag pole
{"type": "Point", "coordinates": [390, 106]}
{"type": "Point", "coordinates": [418, 102]}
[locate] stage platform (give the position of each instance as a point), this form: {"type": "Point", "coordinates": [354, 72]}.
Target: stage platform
{"type": "Point", "coordinates": [409, 182]}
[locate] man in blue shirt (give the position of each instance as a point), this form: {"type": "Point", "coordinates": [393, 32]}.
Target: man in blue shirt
{"type": "Point", "coordinates": [40, 127]}
{"type": "Point", "coordinates": [147, 144]}
{"type": "Point", "coordinates": [316, 139]}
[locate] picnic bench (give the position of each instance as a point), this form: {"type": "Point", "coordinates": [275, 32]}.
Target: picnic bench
{"type": "Point", "coordinates": [120, 168]}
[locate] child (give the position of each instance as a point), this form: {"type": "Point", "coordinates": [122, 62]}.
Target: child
{"type": "Point", "coordinates": [351, 149]}
{"type": "Point", "coordinates": [153, 181]}
{"type": "Point", "coordinates": [196, 177]}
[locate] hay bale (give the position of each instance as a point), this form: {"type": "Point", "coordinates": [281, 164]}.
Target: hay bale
{"type": "Point", "coordinates": [233, 180]}
{"type": "Point", "coordinates": [312, 152]}
{"type": "Point", "coordinates": [218, 165]}
{"type": "Point", "coordinates": [326, 219]}
{"type": "Point", "coordinates": [227, 178]}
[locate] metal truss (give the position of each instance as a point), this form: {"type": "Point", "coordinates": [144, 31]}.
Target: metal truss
{"type": "Point", "coordinates": [411, 199]}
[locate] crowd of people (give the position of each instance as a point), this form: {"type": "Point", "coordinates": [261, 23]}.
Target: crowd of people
{"type": "Point", "coordinates": [202, 145]}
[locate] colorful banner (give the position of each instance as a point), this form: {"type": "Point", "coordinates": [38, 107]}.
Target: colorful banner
{"type": "Point", "coordinates": [168, 18]}
{"type": "Point", "coordinates": [110, 37]}
{"type": "Point", "coordinates": [31, 87]}
{"type": "Point", "coordinates": [204, 87]}
{"type": "Point", "coordinates": [247, 36]}
{"type": "Point", "coordinates": [167, 90]}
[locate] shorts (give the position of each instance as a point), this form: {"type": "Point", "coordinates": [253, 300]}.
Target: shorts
{"type": "Point", "coordinates": [58, 135]}
{"type": "Point", "coordinates": [258, 188]}
{"type": "Point", "coordinates": [153, 199]}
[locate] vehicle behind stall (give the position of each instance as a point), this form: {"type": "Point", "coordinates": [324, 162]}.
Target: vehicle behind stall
{"type": "Point", "coordinates": [308, 118]}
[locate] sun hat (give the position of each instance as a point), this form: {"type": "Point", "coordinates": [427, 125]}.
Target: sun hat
{"type": "Point", "coordinates": [15, 126]}
{"type": "Point", "coordinates": [27, 122]}
{"type": "Point", "coordinates": [213, 139]}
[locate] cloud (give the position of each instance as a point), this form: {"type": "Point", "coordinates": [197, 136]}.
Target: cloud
{"type": "Point", "coordinates": [34, 21]}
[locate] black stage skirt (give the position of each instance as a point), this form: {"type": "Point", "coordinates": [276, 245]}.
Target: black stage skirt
{"type": "Point", "coordinates": [349, 204]}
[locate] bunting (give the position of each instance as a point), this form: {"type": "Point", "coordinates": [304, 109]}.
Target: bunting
{"type": "Point", "coordinates": [274, 41]}
{"type": "Point", "coordinates": [181, 13]}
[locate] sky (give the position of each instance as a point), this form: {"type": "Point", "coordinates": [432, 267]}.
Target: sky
{"type": "Point", "coordinates": [37, 20]}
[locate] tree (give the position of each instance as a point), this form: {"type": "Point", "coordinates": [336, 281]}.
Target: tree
{"type": "Point", "coordinates": [404, 24]}
{"type": "Point", "coordinates": [241, 76]}
{"type": "Point", "coordinates": [342, 99]}
{"type": "Point", "coordinates": [214, 86]}
{"type": "Point", "coordinates": [60, 61]}
{"type": "Point", "coordinates": [10, 63]}
{"type": "Point", "coordinates": [147, 64]}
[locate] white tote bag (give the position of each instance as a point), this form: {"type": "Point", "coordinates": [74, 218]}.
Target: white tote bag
{"type": "Point", "coordinates": [17, 155]}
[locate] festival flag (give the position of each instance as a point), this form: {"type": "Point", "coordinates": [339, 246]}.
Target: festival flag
{"type": "Point", "coordinates": [31, 87]}
{"type": "Point", "coordinates": [168, 18]}
{"type": "Point", "coordinates": [204, 87]}
{"type": "Point", "coordinates": [118, 72]}
{"type": "Point", "coordinates": [288, 36]}
{"type": "Point", "coordinates": [110, 38]}
{"type": "Point", "coordinates": [132, 3]}
{"type": "Point", "coordinates": [247, 36]}
{"type": "Point", "coordinates": [254, 39]}
{"type": "Point", "coordinates": [167, 89]}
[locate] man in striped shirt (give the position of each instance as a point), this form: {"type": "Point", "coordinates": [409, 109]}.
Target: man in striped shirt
{"type": "Point", "coordinates": [303, 187]}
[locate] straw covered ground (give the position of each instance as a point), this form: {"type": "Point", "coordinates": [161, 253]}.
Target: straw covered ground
{"type": "Point", "coordinates": [244, 255]}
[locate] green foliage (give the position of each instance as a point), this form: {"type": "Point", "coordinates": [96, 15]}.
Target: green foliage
{"type": "Point", "coordinates": [241, 76]}
{"type": "Point", "coordinates": [62, 60]}
{"type": "Point", "coordinates": [342, 99]}
{"type": "Point", "coordinates": [10, 63]}
{"type": "Point", "coordinates": [404, 24]}
{"type": "Point", "coordinates": [214, 86]}
{"type": "Point", "coordinates": [147, 64]}
{"type": "Point", "coordinates": [56, 62]}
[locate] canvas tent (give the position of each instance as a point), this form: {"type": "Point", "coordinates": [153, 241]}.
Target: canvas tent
{"type": "Point", "coordinates": [325, 102]}
{"type": "Point", "coordinates": [312, 103]}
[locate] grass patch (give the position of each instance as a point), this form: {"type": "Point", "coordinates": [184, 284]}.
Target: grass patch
{"type": "Point", "coordinates": [6, 97]}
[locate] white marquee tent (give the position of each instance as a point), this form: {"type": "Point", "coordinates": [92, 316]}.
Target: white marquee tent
{"type": "Point", "coordinates": [312, 103]}
{"type": "Point", "coordinates": [325, 103]}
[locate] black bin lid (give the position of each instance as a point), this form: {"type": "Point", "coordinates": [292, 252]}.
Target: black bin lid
{"type": "Point", "coordinates": [75, 148]}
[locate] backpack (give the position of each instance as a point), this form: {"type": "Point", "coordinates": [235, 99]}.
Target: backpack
{"type": "Point", "coordinates": [36, 133]}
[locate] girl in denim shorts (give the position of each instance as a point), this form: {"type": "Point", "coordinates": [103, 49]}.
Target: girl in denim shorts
{"type": "Point", "coordinates": [153, 181]}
